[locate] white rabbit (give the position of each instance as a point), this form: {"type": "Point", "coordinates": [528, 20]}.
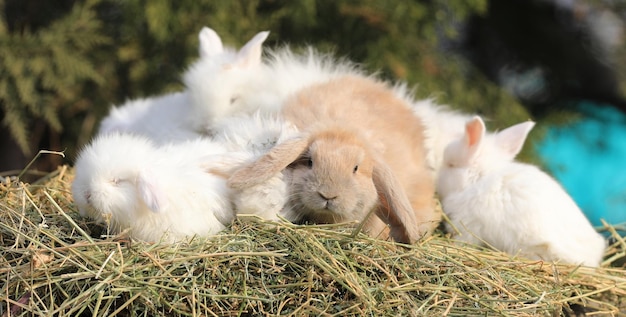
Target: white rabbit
{"type": "Point", "coordinates": [222, 82]}
{"type": "Point", "coordinates": [153, 191]}
{"type": "Point", "coordinates": [166, 118]}
{"type": "Point", "coordinates": [512, 206]}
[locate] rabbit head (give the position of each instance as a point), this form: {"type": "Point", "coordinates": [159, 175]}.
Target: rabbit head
{"type": "Point", "coordinates": [108, 184]}
{"type": "Point", "coordinates": [476, 152]}
{"type": "Point", "coordinates": [223, 80]}
{"type": "Point", "coordinates": [332, 178]}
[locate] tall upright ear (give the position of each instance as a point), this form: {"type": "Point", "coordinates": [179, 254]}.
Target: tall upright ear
{"type": "Point", "coordinates": [210, 43]}
{"type": "Point", "coordinates": [511, 140]}
{"type": "Point", "coordinates": [270, 164]}
{"type": "Point", "coordinates": [250, 54]}
{"type": "Point", "coordinates": [150, 193]}
{"type": "Point", "coordinates": [396, 209]}
{"type": "Point", "coordinates": [474, 135]}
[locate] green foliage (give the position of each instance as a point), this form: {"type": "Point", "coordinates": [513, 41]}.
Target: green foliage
{"type": "Point", "coordinates": [43, 71]}
{"type": "Point", "coordinates": [94, 53]}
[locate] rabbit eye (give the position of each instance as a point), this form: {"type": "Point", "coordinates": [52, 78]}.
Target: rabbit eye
{"type": "Point", "coordinates": [356, 168]}
{"type": "Point", "coordinates": [309, 163]}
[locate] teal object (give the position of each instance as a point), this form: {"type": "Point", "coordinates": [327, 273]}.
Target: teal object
{"type": "Point", "coordinates": [588, 158]}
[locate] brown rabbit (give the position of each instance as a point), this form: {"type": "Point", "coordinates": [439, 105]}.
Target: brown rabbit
{"type": "Point", "coordinates": [360, 149]}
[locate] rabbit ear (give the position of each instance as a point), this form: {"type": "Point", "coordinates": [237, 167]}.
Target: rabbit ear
{"type": "Point", "coordinates": [474, 134]}
{"type": "Point", "coordinates": [210, 43]}
{"type": "Point", "coordinates": [151, 193]}
{"type": "Point", "coordinates": [270, 164]}
{"type": "Point", "coordinates": [511, 140]}
{"type": "Point", "coordinates": [250, 54]}
{"type": "Point", "coordinates": [224, 165]}
{"type": "Point", "coordinates": [396, 211]}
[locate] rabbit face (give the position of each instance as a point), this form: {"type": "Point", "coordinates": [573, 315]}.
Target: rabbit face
{"type": "Point", "coordinates": [107, 184]}
{"type": "Point", "coordinates": [333, 180]}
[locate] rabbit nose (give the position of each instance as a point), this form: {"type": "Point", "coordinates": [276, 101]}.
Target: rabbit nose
{"type": "Point", "coordinates": [326, 196]}
{"type": "Point", "coordinates": [88, 198]}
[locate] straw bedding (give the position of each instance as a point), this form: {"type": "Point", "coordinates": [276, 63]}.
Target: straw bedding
{"type": "Point", "coordinates": [55, 263]}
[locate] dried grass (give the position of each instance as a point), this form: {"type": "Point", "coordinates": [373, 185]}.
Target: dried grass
{"type": "Point", "coordinates": [55, 263]}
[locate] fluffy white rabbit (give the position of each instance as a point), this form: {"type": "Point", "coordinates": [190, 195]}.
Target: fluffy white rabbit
{"type": "Point", "coordinates": [166, 118]}
{"type": "Point", "coordinates": [153, 191]}
{"type": "Point", "coordinates": [222, 82]}
{"type": "Point", "coordinates": [512, 206]}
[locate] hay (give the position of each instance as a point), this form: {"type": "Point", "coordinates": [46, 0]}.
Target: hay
{"type": "Point", "coordinates": [55, 263]}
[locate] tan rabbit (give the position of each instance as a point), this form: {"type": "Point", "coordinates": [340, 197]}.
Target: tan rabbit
{"type": "Point", "coordinates": [360, 149]}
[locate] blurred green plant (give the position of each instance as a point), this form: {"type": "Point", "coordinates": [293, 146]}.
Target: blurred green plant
{"type": "Point", "coordinates": [68, 67]}
{"type": "Point", "coordinates": [44, 69]}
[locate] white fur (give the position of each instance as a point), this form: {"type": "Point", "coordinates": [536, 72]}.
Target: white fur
{"type": "Point", "coordinates": [210, 43]}
{"type": "Point", "coordinates": [241, 83]}
{"type": "Point", "coordinates": [256, 132]}
{"type": "Point", "coordinates": [222, 83]}
{"type": "Point", "coordinates": [153, 191]}
{"type": "Point", "coordinates": [167, 118]}
{"type": "Point", "coordinates": [253, 135]}
{"type": "Point", "coordinates": [288, 72]}
{"type": "Point", "coordinates": [442, 125]}
{"type": "Point", "coordinates": [512, 206]}
{"type": "Point", "coordinates": [162, 119]}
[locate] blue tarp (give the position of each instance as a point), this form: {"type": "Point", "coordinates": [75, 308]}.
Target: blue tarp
{"type": "Point", "coordinates": [588, 157]}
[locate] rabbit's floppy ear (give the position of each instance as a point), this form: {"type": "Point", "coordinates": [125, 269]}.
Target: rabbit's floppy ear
{"type": "Point", "coordinates": [224, 165]}
{"type": "Point", "coordinates": [270, 164]}
{"type": "Point", "coordinates": [210, 43]}
{"type": "Point", "coordinates": [250, 54]}
{"type": "Point", "coordinates": [511, 140]}
{"type": "Point", "coordinates": [397, 210]}
{"type": "Point", "coordinates": [151, 193]}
